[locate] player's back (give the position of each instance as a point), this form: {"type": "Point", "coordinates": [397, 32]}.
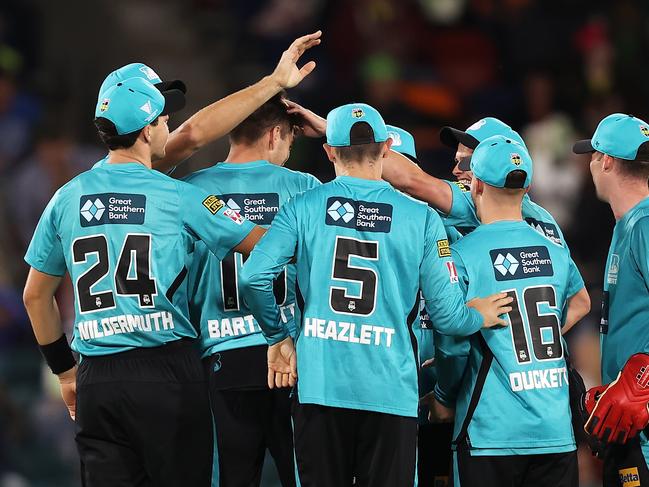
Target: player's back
{"type": "Point", "coordinates": [257, 190]}
{"type": "Point", "coordinates": [123, 236]}
{"type": "Point", "coordinates": [517, 374]}
{"type": "Point", "coordinates": [359, 249]}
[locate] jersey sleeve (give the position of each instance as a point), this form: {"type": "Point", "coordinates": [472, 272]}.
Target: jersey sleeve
{"type": "Point", "coordinates": [462, 212]}
{"type": "Point", "coordinates": [206, 218]}
{"type": "Point", "coordinates": [640, 248]}
{"type": "Point", "coordinates": [45, 252]}
{"type": "Point", "coordinates": [575, 281]}
{"type": "Point", "coordinates": [439, 284]}
{"type": "Point", "coordinates": [267, 260]}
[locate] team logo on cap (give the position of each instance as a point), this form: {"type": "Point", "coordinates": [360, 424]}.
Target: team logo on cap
{"type": "Point", "coordinates": [645, 130]}
{"type": "Point", "coordinates": [477, 124]}
{"type": "Point", "coordinates": [516, 159]}
{"type": "Point", "coordinates": [104, 105]}
{"type": "Point", "coordinates": [149, 73]}
{"type": "Point", "coordinates": [357, 112]}
{"type": "Point", "coordinates": [396, 139]}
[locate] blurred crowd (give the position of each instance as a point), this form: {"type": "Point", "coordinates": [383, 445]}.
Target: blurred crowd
{"type": "Point", "coordinates": [551, 70]}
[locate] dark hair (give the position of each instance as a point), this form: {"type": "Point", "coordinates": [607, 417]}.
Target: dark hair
{"type": "Point", "coordinates": [634, 169]}
{"type": "Point", "coordinates": [363, 146]}
{"type": "Point", "coordinates": [516, 179]}
{"type": "Point", "coordinates": [267, 116]}
{"type": "Point", "coordinates": [109, 136]}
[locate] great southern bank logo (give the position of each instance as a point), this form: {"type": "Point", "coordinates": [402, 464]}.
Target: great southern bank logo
{"type": "Point", "coordinates": [506, 264]}
{"type": "Point", "coordinates": [338, 210]}
{"type": "Point", "coordinates": [93, 209]}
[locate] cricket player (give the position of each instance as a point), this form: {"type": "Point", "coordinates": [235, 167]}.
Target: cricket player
{"type": "Point", "coordinates": [363, 251]}
{"type": "Point", "coordinates": [250, 418]}
{"type": "Point", "coordinates": [619, 165]}
{"type": "Point", "coordinates": [433, 439]}
{"type": "Point", "coordinates": [217, 119]}
{"type": "Point", "coordinates": [125, 235]}
{"type": "Point", "coordinates": [510, 385]}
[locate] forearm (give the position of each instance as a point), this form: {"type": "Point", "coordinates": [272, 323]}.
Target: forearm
{"type": "Point", "coordinates": [44, 315]}
{"type": "Point", "coordinates": [578, 307]}
{"type": "Point", "coordinates": [408, 177]}
{"type": "Point", "coordinates": [451, 358]}
{"type": "Point", "coordinates": [215, 120]}
{"type": "Point", "coordinates": [450, 316]}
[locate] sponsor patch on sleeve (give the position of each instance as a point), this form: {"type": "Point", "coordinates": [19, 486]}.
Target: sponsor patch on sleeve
{"type": "Point", "coordinates": [463, 187]}
{"type": "Point", "coordinates": [629, 477]}
{"type": "Point", "coordinates": [443, 248]}
{"type": "Point", "coordinates": [213, 203]}
{"type": "Point", "coordinates": [452, 272]}
{"type": "Point", "coordinates": [233, 215]}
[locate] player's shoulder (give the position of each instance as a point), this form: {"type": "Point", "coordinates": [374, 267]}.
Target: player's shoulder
{"type": "Point", "coordinates": [201, 174]}
{"type": "Point", "coordinates": [302, 180]}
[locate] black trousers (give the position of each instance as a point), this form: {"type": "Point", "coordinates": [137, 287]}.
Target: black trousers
{"type": "Point", "coordinates": [435, 455]}
{"type": "Point", "coordinates": [247, 424]}
{"type": "Point", "coordinates": [625, 465]}
{"type": "Point", "coordinates": [337, 447]}
{"type": "Point", "coordinates": [143, 419]}
{"type": "Point", "coordinates": [545, 470]}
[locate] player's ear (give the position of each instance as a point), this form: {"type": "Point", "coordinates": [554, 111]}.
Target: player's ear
{"type": "Point", "coordinates": [607, 163]}
{"type": "Point", "coordinates": [146, 133]}
{"type": "Point", "coordinates": [385, 151]}
{"type": "Point", "coordinates": [330, 152]}
{"type": "Point", "coordinates": [275, 136]}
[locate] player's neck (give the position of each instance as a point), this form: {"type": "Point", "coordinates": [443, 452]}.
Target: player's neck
{"type": "Point", "coordinates": [360, 170]}
{"type": "Point", "coordinates": [125, 156]}
{"type": "Point", "coordinates": [240, 154]}
{"type": "Point", "coordinates": [493, 211]}
{"type": "Point", "coordinates": [626, 196]}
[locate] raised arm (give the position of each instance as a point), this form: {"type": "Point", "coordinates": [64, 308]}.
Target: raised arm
{"type": "Point", "coordinates": [218, 119]}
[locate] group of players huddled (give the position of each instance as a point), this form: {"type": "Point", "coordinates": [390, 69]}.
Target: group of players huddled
{"type": "Point", "coordinates": [250, 308]}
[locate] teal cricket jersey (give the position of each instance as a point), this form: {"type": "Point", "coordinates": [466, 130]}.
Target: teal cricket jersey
{"type": "Point", "coordinates": [363, 250]}
{"type": "Point", "coordinates": [257, 190]}
{"type": "Point", "coordinates": [625, 309]}
{"type": "Point", "coordinates": [463, 216]}
{"type": "Point", "coordinates": [125, 234]}
{"type": "Point", "coordinates": [513, 379]}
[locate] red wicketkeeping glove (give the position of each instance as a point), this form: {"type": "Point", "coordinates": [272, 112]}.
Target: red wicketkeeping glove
{"type": "Point", "coordinates": [622, 411]}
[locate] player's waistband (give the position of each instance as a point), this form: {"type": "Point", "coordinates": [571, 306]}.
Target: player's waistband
{"type": "Point", "coordinates": [176, 347]}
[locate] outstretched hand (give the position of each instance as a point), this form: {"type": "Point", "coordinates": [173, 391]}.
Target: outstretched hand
{"type": "Point", "coordinates": [287, 74]}
{"type": "Point", "coordinates": [282, 364]}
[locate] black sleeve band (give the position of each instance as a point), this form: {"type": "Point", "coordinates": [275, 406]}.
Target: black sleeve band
{"type": "Point", "coordinates": [58, 355]}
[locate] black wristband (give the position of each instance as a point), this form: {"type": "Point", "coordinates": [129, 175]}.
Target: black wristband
{"type": "Point", "coordinates": [58, 355]}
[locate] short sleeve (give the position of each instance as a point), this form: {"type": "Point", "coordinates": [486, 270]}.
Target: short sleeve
{"type": "Point", "coordinates": [575, 281]}
{"type": "Point", "coordinates": [207, 218]}
{"type": "Point", "coordinates": [45, 252]}
{"type": "Point", "coordinates": [640, 248]}
{"type": "Point", "coordinates": [462, 212]}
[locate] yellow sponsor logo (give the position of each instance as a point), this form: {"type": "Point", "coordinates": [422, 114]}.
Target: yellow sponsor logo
{"type": "Point", "coordinates": [213, 204]}
{"type": "Point", "coordinates": [463, 187]}
{"type": "Point", "coordinates": [443, 248]}
{"type": "Point", "coordinates": [629, 477]}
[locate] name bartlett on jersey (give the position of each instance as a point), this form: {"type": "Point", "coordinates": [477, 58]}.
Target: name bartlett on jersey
{"type": "Point", "coordinates": [243, 325]}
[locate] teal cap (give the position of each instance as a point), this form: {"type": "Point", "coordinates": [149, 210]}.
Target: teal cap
{"type": "Point", "coordinates": [476, 133]}
{"type": "Point", "coordinates": [140, 70]}
{"type": "Point", "coordinates": [402, 141]}
{"type": "Point", "coordinates": [618, 135]}
{"type": "Point", "coordinates": [341, 120]}
{"type": "Point", "coordinates": [496, 157]}
{"type": "Point", "coordinates": [134, 103]}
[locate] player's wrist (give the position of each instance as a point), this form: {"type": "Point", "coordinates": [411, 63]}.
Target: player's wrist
{"type": "Point", "coordinates": [271, 83]}
{"type": "Point", "coordinates": [58, 355]}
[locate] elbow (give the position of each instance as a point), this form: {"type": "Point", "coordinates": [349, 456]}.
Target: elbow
{"type": "Point", "coordinates": [190, 135]}
{"type": "Point", "coordinates": [31, 296]}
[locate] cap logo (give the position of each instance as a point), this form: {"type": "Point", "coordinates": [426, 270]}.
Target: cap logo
{"type": "Point", "coordinates": [149, 73]}
{"type": "Point", "coordinates": [516, 159]}
{"type": "Point", "coordinates": [396, 139]}
{"type": "Point", "coordinates": [357, 112]}
{"type": "Point", "coordinates": [645, 130]}
{"type": "Point", "coordinates": [477, 125]}
{"type": "Point", "coordinates": [147, 107]}
{"type": "Point", "coordinates": [104, 105]}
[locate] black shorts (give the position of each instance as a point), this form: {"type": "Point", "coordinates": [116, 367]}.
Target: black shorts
{"type": "Point", "coordinates": [249, 421]}
{"type": "Point", "coordinates": [435, 455]}
{"type": "Point", "coordinates": [143, 418]}
{"type": "Point", "coordinates": [336, 447]}
{"type": "Point", "coordinates": [544, 470]}
{"type": "Point", "coordinates": [625, 465]}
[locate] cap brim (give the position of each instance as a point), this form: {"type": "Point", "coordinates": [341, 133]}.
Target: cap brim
{"type": "Point", "coordinates": [452, 137]}
{"type": "Point", "coordinates": [174, 101]}
{"type": "Point", "coordinates": [175, 84]}
{"type": "Point", "coordinates": [583, 147]}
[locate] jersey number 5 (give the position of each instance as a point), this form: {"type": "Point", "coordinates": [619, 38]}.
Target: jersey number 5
{"type": "Point", "coordinates": [544, 328]}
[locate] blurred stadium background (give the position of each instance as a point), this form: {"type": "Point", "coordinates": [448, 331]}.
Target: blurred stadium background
{"type": "Point", "coordinates": [551, 69]}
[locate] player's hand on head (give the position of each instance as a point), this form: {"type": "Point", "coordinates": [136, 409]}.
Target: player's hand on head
{"type": "Point", "coordinates": [491, 308]}
{"type": "Point", "coordinates": [287, 74]}
{"type": "Point", "coordinates": [282, 364]}
{"type": "Point", "coordinates": [311, 125]}
{"type": "Point", "coordinates": [68, 384]}
{"type": "Point", "coordinates": [622, 410]}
